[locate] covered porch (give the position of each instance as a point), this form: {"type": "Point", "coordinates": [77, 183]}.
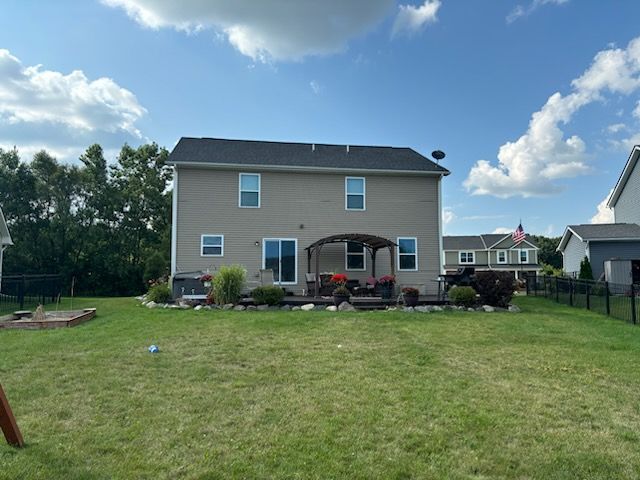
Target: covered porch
{"type": "Point", "coordinates": [372, 244]}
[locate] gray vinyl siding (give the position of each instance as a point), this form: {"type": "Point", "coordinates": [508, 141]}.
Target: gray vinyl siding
{"type": "Point", "coordinates": [307, 207]}
{"type": "Point", "coordinates": [627, 209]}
{"type": "Point", "coordinates": [574, 252]}
{"type": "Point", "coordinates": [601, 251]}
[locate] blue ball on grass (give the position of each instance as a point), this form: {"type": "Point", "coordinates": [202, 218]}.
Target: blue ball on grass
{"type": "Point", "coordinates": [154, 349]}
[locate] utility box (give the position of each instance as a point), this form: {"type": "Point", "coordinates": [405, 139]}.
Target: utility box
{"type": "Point", "coordinates": [623, 272]}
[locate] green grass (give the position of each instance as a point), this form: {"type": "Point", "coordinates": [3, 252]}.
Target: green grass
{"type": "Point", "coordinates": [551, 393]}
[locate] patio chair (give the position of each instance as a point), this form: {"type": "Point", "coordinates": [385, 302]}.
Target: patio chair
{"type": "Point", "coordinates": [368, 289]}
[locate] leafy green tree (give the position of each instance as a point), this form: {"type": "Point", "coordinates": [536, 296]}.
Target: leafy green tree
{"type": "Point", "coordinates": [547, 253]}
{"type": "Point", "coordinates": [586, 273]}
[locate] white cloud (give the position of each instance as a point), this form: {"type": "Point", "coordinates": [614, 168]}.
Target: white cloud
{"type": "Point", "coordinates": [267, 29]}
{"type": "Point", "coordinates": [503, 230]}
{"type": "Point", "coordinates": [447, 215]}
{"type": "Point", "coordinates": [604, 213]}
{"type": "Point", "coordinates": [616, 127]}
{"type": "Point", "coordinates": [531, 165]}
{"type": "Point", "coordinates": [315, 87]}
{"type": "Point", "coordinates": [62, 113]}
{"type": "Point", "coordinates": [523, 11]}
{"type": "Point", "coordinates": [411, 19]}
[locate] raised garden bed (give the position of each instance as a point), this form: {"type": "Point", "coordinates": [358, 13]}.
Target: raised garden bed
{"type": "Point", "coordinates": [25, 320]}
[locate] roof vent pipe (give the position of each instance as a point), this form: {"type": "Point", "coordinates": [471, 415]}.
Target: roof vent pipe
{"type": "Point", "coordinates": [347, 148]}
{"type": "Point", "coordinates": [313, 147]}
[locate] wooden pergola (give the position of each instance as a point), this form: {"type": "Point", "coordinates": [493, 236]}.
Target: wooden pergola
{"type": "Point", "coordinates": [371, 243]}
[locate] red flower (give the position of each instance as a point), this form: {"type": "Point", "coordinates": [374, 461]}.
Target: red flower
{"type": "Point", "coordinates": [339, 278]}
{"type": "Point", "coordinates": [387, 280]}
{"type": "Point", "coordinates": [206, 277]}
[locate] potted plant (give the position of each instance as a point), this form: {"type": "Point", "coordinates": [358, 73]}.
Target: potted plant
{"type": "Point", "coordinates": [385, 286]}
{"type": "Point", "coordinates": [341, 293]}
{"type": "Point", "coordinates": [410, 296]}
{"type": "Point", "coordinates": [206, 280]}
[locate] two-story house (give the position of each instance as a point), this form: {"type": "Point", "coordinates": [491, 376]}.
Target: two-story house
{"type": "Point", "coordinates": [5, 239]}
{"type": "Point", "coordinates": [263, 205]}
{"type": "Point", "coordinates": [491, 252]}
{"type": "Point", "coordinates": [613, 242]}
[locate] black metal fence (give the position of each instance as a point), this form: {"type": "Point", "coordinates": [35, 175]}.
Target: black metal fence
{"type": "Point", "coordinates": [613, 299]}
{"type": "Point", "coordinates": [20, 292]}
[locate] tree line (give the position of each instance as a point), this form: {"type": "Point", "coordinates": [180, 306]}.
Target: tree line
{"type": "Point", "coordinates": [105, 227]}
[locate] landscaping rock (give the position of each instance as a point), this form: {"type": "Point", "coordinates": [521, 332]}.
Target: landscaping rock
{"type": "Point", "coordinates": [263, 307]}
{"type": "Point", "coordinates": [346, 307]}
{"type": "Point", "coordinates": [151, 304]}
{"type": "Point", "coordinates": [239, 308]}
{"type": "Point", "coordinates": [514, 309]}
{"type": "Point", "coordinates": [332, 308]}
{"type": "Point", "coordinates": [174, 306]}
{"type": "Point", "coordinates": [436, 308]}
{"type": "Point", "coordinates": [285, 307]}
{"type": "Point", "coordinates": [408, 309]}
{"type": "Point", "coordinates": [296, 308]}
{"type": "Point", "coordinates": [227, 306]}
{"type": "Point", "coordinates": [392, 309]}
{"type": "Point", "coordinates": [488, 308]}
{"type": "Point", "coordinates": [307, 307]}
{"type": "Point", "coordinates": [422, 308]}
{"type": "Point", "coordinates": [471, 309]}
{"type": "Point", "coordinates": [252, 307]}
{"type": "Point", "coordinates": [197, 307]}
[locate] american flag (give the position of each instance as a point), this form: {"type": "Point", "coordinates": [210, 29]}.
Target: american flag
{"type": "Point", "coordinates": [518, 235]}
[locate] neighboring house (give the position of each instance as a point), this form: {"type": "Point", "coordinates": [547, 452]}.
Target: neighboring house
{"type": "Point", "coordinates": [625, 198]}
{"type": "Point", "coordinates": [491, 252]}
{"type": "Point", "coordinates": [261, 204]}
{"type": "Point", "coordinates": [599, 243]}
{"type": "Point", "coordinates": [5, 239]}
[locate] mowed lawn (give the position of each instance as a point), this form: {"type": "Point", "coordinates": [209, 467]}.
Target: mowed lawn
{"type": "Point", "coordinates": [552, 392]}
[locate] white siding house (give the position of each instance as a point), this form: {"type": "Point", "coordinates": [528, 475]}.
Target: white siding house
{"type": "Point", "coordinates": [5, 239]}
{"type": "Point", "coordinates": [625, 199]}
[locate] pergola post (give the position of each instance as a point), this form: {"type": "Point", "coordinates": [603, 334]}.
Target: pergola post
{"type": "Point", "coordinates": [309, 261]}
{"type": "Point", "coordinates": [392, 252]}
{"type": "Point", "coordinates": [318, 249]}
{"type": "Point", "coordinates": [373, 262]}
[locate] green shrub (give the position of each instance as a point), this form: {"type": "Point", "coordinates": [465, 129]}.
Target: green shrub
{"type": "Point", "coordinates": [155, 267]}
{"type": "Point", "coordinates": [463, 296]}
{"type": "Point", "coordinates": [586, 273]}
{"type": "Point", "coordinates": [342, 290]}
{"type": "Point", "coordinates": [269, 294]}
{"type": "Point", "coordinates": [159, 293]}
{"type": "Point", "coordinates": [228, 283]}
{"type": "Point", "coordinates": [495, 288]}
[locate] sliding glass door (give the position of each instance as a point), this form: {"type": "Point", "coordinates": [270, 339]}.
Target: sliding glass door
{"type": "Point", "coordinates": [281, 256]}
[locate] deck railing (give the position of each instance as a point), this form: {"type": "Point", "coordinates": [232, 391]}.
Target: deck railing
{"type": "Point", "coordinates": [20, 292]}
{"type": "Point", "coordinates": [612, 299]}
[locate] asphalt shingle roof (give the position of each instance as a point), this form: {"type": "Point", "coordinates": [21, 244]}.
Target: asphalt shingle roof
{"type": "Point", "coordinates": [607, 230]}
{"type": "Point", "coordinates": [474, 242]}
{"type": "Point", "coordinates": [251, 152]}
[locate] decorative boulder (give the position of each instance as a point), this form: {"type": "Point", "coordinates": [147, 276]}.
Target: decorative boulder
{"type": "Point", "coordinates": [227, 306]}
{"type": "Point", "coordinates": [488, 308]}
{"type": "Point", "coordinates": [307, 307]}
{"type": "Point", "coordinates": [436, 308]}
{"type": "Point", "coordinates": [296, 308]}
{"type": "Point", "coordinates": [285, 307]}
{"type": "Point", "coordinates": [346, 307]}
{"type": "Point", "coordinates": [252, 307]}
{"type": "Point", "coordinates": [198, 307]}
{"type": "Point", "coordinates": [422, 308]}
{"type": "Point", "coordinates": [151, 304]}
{"type": "Point", "coordinates": [263, 307]}
{"type": "Point", "coordinates": [514, 309]}
{"type": "Point", "coordinates": [332, 308]}
{"type": "Point", "coordinates": [408, 309]}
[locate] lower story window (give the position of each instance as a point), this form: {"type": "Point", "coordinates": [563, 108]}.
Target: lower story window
{"type": "Point", "coordinates": [355, 253]}
{"type": "Point", "coordinates": [407, 253]}
{"type": "Point", "coordinates": [281, 256]}
{"type": "Point", "coordinates": [212, 245]}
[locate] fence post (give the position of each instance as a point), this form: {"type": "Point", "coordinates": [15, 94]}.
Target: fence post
{"type": "Point", "coordinates": [588, 295]}
{"type": "Point", "coordinates": [607, 304]}
{"type": "Point", "coordinates": [557, 291]}
{"type": "Point", "coordinates": [527, 285]}
{"type": "Point", "coordinates": [571, 292]}
{"type": "Point", "coordinates": [633, 304]}
{"type": "Point", "coordinates": [21, 289]}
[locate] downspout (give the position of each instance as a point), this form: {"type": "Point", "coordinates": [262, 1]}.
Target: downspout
{"type": "Point", "coordinates": [1, 258]}
{"type": "Point", "coordinates": [440, 233]}
{"type": "Point", "coordinates": [174, 222]}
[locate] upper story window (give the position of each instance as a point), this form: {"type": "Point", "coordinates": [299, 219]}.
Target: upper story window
{"type": "Point", "coordinates": [407, 253]}
{"type": "Point", "coordinates": [355, 254]}
{"type": "Point", "coordinates": [355, 193]}
{"type": "Point", "coordinates": [212, 245]}
{"type": "Point", "coordinates": [524, 256]}
{"type": "Point", "coordinates": [249, 190]}
{"type": "Point", "coordinates": [502, 256]}
{"type": "Point", "coordinates": [466, 257]}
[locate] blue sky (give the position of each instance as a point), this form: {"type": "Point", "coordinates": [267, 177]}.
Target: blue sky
{"type": "Point", "coordinates": [466, 77]}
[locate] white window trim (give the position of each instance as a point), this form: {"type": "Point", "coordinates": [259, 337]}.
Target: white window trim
{"type": "Point", "coordinates": [472, 252]}
{"type": "Point", "coordinates": [415, 239]}
{"type": "Point", "coordinates": [259, 191]}
{"type": "Point", "coordinates": [506, 257]}
{"type": "Point", "coordinates": [364, 194]}
{"type": "Point", "coordinates": [202, 254]}
{"type": "Point", "coordinates": [273, 239]}
{"type": "Point", "coordinates": [346, 259]}
{"type": "Point", "coordinates": [520, 256]}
